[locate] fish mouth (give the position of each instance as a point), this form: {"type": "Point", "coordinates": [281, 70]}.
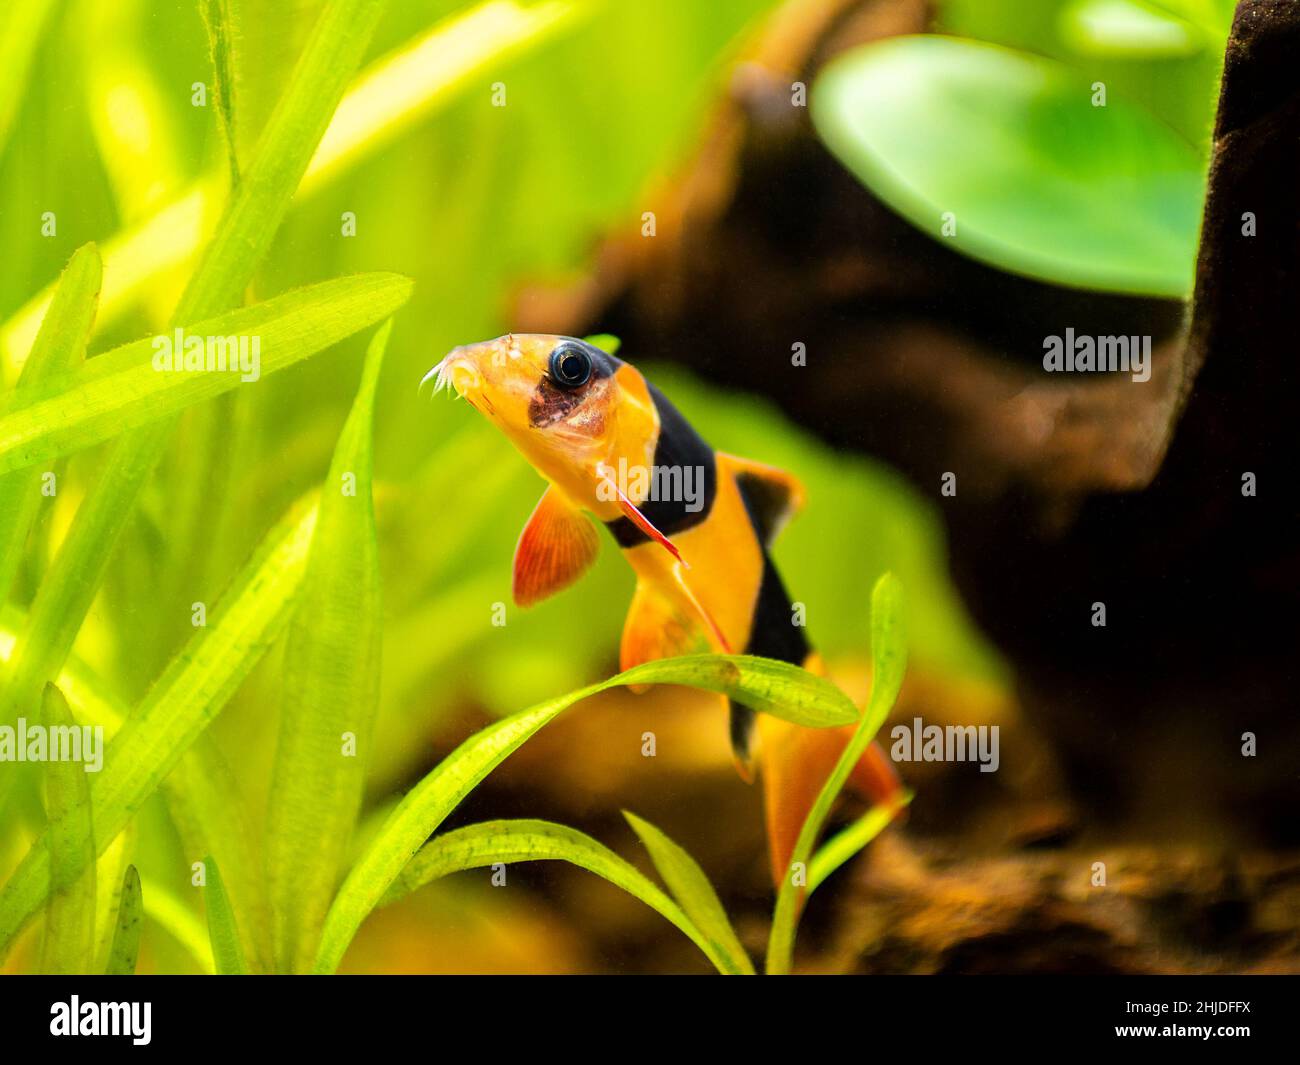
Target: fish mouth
{"type": "Point", "coordinates": [455, 373]}
{"type": "Point", "coordinates": [458, 374]}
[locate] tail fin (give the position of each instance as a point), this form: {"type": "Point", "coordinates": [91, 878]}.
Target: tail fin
{"type": "Point", "coordinates": [794, 763]}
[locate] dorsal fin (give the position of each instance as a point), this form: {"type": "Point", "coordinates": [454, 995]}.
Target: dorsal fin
{"type": "Point", "coordinates": [772, 496]}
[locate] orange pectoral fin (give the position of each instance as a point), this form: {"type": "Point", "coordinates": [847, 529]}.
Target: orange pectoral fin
{"type": "Point", "coordinates": [556, 547]}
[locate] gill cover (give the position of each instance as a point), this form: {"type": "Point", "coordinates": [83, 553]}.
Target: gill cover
{"type": "Point", "coordinates": [576, 413]}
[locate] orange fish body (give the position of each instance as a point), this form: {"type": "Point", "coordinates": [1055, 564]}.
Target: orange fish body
{"type": "Point", "coordinates": [694, 524]}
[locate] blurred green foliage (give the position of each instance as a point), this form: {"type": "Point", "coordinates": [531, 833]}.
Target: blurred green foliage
{"type": "Point", "coordinates": [99, 126]}
{"type": "Point", "coordinates": [1180, 87]}
{"type": "Point", "coordinates": [1075, 153]}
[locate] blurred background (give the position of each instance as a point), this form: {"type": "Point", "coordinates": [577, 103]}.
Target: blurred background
{"type": "Point", "coordinates": [779, 219]}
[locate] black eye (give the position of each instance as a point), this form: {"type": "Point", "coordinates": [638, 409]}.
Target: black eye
{"type": "Point", "coordinates": [570, 366]}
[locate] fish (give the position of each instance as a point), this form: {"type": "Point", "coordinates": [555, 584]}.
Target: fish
{"type": "Point", "coordinates": [695, 524]}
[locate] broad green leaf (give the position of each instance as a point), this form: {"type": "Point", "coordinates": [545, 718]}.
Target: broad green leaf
{"type": "Point", "coordinates": [330, 692]}
{"type": "Point", "coordinates": [849, 841]}
{"type": "Point", "coordinates": [182, 703]}
{"type": "Point", "coordinates": [755, 682]}
{"type": "Point", "coordinates": [477, 846]}
{"type": "Point", "coordinates": [60, 346]}
{"type": "Point", "coordinates": [692, 891]}
{"type": "Point", "coordinates": [137, 383]}
{"type": "Point", "coordinates": [69, 945]}
{"type": "Point", "coordinates": [223, 929]}
{"type": "Point", "coordinates": [1007, 151]}
{"type": "Point", "coordinates": [130, 923]}
{"type": "Point", "coordinates": [888, 663]}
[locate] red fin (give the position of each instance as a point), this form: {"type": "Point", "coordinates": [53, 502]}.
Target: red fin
{"type": "Point", "coordinates": [719, 638]}
{"type": "Point", "coordinates": [795, 763]}
{"type": "Point", "coordinates": [645, 525]}
{"type": "Point", "coordinates": [554, 550]}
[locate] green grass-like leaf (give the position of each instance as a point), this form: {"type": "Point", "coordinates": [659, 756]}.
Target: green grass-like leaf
{"type": "Point", "coordinates": [888, 663]}
{"type": "Point", "coordinates": [491, 842]}
{"type": "Point", "coordinates": [762, 684]}
{"type": "Point", "coordinates": [330, 692]}
{"type": "Point", "coordinates": [204, 801]}
{"type": "Point", "coordinates": [110, 872]}
{"type": "Point", "coordinates": [69, 944]}
{"type": "Point", "coordinates": [393, 94]}
{"type": "Point", "coordinates": [217, 21]}
{"type": "Point", "coordinates": [242, 236]}
{"type": "Point", "coordinates": [849, 841]}
{"type": "Point", "coordinates": [125, 950]}
{"type": "Point", "coordinates": [223, 929]}
{"type": "Point", "coordinates": [756, 682]}
{"type": "Point", "coordinates": [122, 389]}
{"type": "Point", "coordinates": [59, 348]}
{"type": "Point", "coordinates": [329, 60]}
{"type": "Point", "coordinates": [181, 704]}
{"type": "Point", "coordinates": [691, 889]}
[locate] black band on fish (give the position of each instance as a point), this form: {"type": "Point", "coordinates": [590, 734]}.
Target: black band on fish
{"type": "Point", "coordinates": [774, 635]}
{"type": "Point", "coordinates": [679, 448]}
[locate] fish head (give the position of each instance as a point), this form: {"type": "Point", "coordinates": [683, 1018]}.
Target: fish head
{"type": "Point", "coordinates": [570, 408]}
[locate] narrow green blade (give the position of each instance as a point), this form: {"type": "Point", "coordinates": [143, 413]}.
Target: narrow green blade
{"type": "Point", "coordinates": [888, 663]}
{"type": "Point", "coordinates": [752, 681]}
{"type": "Point", "coordinates": [69, 945]}
{"type": "Point", "coordinates": [494, 842]}
{"type": "Point", "coordinates": [125, 950]}
{"type": "Point", "coordinates": [330, 693]}
{"type": "Point", "coordinates": [691, 889]}
{"type": "Point", "coordinates": [223, 930]}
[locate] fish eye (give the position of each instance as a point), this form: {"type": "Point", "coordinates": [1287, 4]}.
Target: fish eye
{"type": "Point", "coordinates": [570, 366]}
